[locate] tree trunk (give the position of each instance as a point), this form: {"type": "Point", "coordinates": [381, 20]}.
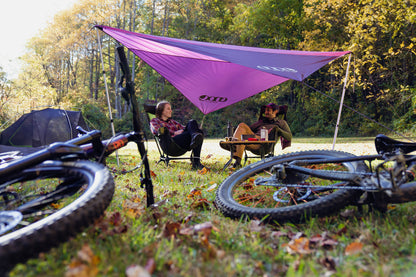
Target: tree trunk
{"type": "Point", "coordinates": [91, 79]}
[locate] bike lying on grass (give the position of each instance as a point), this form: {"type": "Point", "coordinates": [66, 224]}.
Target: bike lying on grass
{"type": "Point", "coordinates": [300, 185]}
{"type": "Point", "coordinates": [52, 194]}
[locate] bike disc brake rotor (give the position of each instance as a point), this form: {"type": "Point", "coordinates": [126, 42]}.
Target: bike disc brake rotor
{"type": "Point", "coordinates": [291, 194]}
{"type": "Point", "coordinates": [9, 220]}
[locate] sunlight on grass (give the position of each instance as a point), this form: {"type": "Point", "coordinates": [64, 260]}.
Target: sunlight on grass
{"type": "Point", "coordinates": [185, 235]}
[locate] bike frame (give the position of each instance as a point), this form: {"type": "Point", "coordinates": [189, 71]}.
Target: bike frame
{"type": "Point", "coordinates": [388, 150]}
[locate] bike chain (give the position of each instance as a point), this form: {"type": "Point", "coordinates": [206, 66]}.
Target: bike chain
{"type": "Point", "coordinates": [332, 187]}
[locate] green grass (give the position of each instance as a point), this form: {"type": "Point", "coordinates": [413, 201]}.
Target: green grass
{"type": "Point", "coordinates": [187, 236]}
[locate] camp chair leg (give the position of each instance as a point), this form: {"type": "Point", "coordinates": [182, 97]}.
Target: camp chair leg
{"type": "Point", "coordinates": [263, 154]}
{"type": "Point", "coordinates": [227, 164]}
{"type": "Point", "coordinates": [245, 157]}
{"type": "Point", "coordinates": [230, 160]}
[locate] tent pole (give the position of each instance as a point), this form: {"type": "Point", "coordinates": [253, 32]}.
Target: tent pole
{"type": "Point", "coordinates": [106, 90]}
{"type": "Point", "coordinates": [342, 102]}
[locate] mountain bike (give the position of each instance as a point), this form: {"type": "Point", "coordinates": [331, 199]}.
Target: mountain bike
{"type": "Point", "coordinates": [52, 194]}
{"type": "Point", "coordinates": [300, 185]}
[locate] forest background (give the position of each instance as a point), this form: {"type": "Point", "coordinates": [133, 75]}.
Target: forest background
{"type": "Point", "coordinates": [62, 66]}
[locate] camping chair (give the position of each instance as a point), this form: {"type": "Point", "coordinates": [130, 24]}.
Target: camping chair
{"type": "Point", "coordinates": [174, 152]}
{"type": "Point", "coordinates": [268, 149]}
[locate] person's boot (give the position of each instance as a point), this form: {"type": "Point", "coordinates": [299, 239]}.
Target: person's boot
{"type": "Point", "coordinates": [196, 164]}
{"type": "Point", "coordinates": [197, 139]}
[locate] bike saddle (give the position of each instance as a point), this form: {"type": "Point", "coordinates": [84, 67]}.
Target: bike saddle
{"type": "Point", "coordinates": [384, 144]}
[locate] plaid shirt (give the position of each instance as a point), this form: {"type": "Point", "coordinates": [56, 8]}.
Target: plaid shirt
{"type": "Point", "coordinates": [170, 124]}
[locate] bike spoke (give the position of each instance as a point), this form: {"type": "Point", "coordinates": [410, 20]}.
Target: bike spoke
{"type": "Point", "coordinates": [36, 199]}
{"type": "Point", "coordinates": [263, 189]}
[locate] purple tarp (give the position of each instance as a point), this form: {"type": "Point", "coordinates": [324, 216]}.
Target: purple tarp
{"type": "Point", "coordinates": [213, 76]}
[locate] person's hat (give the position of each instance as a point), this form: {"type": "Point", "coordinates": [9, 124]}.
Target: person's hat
{"type": "Point", "coordinates": [273, 106]}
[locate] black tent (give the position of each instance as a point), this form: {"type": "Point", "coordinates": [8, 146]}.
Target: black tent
{"type": "Point", "coordinates": [43, 127]}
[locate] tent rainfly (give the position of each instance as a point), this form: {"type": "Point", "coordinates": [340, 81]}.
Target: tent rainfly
{"type": "Point", "coordinates": [43, 127]}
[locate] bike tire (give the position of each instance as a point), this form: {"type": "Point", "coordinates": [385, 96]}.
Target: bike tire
{"type": "Point", "coordinates": [95, 189]}
{"type": "Point", "coordinates": [237, 197]}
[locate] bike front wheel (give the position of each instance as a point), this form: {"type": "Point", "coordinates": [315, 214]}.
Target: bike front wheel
{"type": "Point", "coordinates": [47, 204]}
{"type": "Point", "coordinates": [254, 192]}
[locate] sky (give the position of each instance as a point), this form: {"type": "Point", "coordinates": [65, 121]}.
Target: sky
{"type": "Point", "coordinates": [21, 20]}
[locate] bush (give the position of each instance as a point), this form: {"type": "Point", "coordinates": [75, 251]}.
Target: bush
{"type": "Point", "coordinates": [96, 119]}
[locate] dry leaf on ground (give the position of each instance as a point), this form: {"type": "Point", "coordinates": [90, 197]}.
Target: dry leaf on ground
{"type": "Point", "coordinates": [353, 248]}
{"type": "Point", "coordinates": [84, 265]}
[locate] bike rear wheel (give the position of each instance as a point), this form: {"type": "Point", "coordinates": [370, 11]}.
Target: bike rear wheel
{"type": "Point", "coordinates": [242, 195]}
{"type": "Point", "coordinates": [47, 204]}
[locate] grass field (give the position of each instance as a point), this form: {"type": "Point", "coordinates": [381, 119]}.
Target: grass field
{"type": "Point", "coordinates": [185, 235]}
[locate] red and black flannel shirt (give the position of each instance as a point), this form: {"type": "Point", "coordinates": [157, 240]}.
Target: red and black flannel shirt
{"type": "Point", "coordinates": [170, 124]}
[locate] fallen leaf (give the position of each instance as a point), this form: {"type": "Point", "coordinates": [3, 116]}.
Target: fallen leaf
{"type": "Point", "coordinates": [158, 204]}
{"type": "Point", "coordinates": [329, 243]}
{"type": "Point", "coordinates": [323, 240]}
{"type": "Point", "coordinates": [85, 264]}
{"type": "Point", "coordinates": [208, 156]}
{"type": "Point", "coordinates": [153, 174]}
{"type": "Point", "coordinates": [211, 188]}
{"type": "Point", "coordinates": [298, 246]}
{"type": "Point", "coordinates": [203, 171]}
{"type": "Point", "coordinates": [187, 231]}
{"type": "Point", "coordinates": [110, 225]}
{"type": "Point", "coordinates": [342, 231]}
{"type": "Point", "coordinates": [86, 255]}
{"type": "Point", "coordinates": [201, 203]}
{"type": "Point", "coordinates": [137, 271]}
{"type": "Point", "coordinates": [115, 219]}
{"type": "Point", "coordinates": [171, 229]}
{"type": "Point", "coordinates": [187, 218]}
{"type": "Point", "coordinates": [329, 263]}
{"type": "Point", "coordinates": [133, 207]}
{"type": "Point", "coordinates": [277, 234]}
{"type": "Point", "coordinates": [347, 213]}
{"type": "Point", "coordinates": [353, 248]}
{"type": "Point", "coordinates": [316, 239]}
{"type": "Point", "coordinates": [203, 231]}
{"type": "Point", "coordinates": [56, 206]}
{"type": "Point", "coordinates": [194, 193]}
{"type": "Point", "coordinates": [256, 226]}
{"type": "Point", "coordinates": [204, 228]}
{"type": "Point", "coordinates": [150, 266]}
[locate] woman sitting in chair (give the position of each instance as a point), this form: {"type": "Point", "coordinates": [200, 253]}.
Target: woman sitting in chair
{"type": "Point", "coordinates": [273, 118]}
{"type": "Point", "coordinates": [171, 132]}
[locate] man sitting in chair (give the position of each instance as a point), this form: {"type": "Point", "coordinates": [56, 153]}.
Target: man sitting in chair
{"type": "Point", "coordinates": [269, 118]}
{"type": "Point", "coordinates": [188, 137]}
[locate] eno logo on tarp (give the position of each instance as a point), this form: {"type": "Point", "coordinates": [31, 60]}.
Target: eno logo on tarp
{"type": "Point", "coordinates": [214, 99]}
{"type": "Point", "coordinates": [275, 68]}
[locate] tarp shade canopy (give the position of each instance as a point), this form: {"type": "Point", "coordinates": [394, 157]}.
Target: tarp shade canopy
{"type": "Point", "coordinates": [213, 76]}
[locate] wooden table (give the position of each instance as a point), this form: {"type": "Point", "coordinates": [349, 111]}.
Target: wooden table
{"type": "Point", "coordinates": [264, 144]}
